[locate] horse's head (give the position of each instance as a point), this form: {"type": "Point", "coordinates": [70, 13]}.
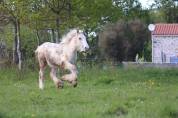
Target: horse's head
{"type": "Point", "coordinates": [77, 39]}
{"type": "Point", "coordinates": [81, 41]}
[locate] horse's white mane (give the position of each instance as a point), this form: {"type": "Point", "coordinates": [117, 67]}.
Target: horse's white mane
{"type": "Point", "coordinates": [66, 38]}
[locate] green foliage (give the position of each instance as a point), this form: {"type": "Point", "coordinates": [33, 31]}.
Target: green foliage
{"type": "Point", "coordinates": [108, 93]}
{"type": "Point", "coordinates": [132, 9]}
{"type": "Point", "coordinates": [92, 14]}
{"type": "Point", "coordinates": [16, 9]}
{"type": "Point", "coordinates": [29, 42]}
{"type": "Point", "coordinates": [167, 9]}
{"type": "Point", "coordinates": [156, 16]}
{"type": "Point", "coordinates": [8, 36]}
{"type": "Point", "coordinates": [147, 51]}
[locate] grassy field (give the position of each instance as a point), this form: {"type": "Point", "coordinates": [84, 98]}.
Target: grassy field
{"type": "Point", "coordinates": [101, 93]}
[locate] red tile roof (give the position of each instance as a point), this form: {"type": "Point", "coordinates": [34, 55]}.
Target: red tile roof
{"type": "Point", "coordinates": [166, 29]}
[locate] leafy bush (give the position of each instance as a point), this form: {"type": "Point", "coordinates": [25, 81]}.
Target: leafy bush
{"type": "Point", "coordinates": [123, 40]}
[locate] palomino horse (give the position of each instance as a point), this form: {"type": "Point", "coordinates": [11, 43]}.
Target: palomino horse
{"type": "Point", "coordinates": [61, 55]}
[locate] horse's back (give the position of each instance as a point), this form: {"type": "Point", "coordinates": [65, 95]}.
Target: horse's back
{"type": "Point", "coordinates": [49, 51]}
{"type": "Point", "coordinates": [46, 46]}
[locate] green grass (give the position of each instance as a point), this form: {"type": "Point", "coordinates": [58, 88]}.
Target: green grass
{"type": "Point", "coordinates": [101, 93]}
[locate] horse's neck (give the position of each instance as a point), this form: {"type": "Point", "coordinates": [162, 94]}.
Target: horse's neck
{"type": "Point", "coordinates": [70, 51]}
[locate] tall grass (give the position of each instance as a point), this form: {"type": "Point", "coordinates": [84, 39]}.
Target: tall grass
{"type": "Point", "coordinates": [102, 92]}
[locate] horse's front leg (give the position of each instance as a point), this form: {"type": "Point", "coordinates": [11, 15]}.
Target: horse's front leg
{"type": "Point", "coordinates": [72, 77]}
{"type": "Point", "coordinates": [57, 82]}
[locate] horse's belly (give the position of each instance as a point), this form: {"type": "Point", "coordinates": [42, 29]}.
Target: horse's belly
{"type": "Point", "coordinates": [53, 59]}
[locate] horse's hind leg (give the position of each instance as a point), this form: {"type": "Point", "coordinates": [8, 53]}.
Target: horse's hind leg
{"type": "Point", "coordinates": [57, 82]}
{"type": "Point", "coordinates": [41, 74]}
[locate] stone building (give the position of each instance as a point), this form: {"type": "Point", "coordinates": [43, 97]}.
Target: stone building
{"type": "Point", "coordinates": [164, 43]}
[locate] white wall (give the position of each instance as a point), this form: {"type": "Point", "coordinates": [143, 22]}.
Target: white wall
{"type": "Point", "coordinates": [163, 48]}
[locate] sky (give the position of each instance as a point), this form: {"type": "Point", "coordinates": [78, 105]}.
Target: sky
{"type": "Point", "coordinates": [146, 3]}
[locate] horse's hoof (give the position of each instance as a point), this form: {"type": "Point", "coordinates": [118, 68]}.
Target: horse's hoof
{"type": "Point", "coordinates": [74, 84]}
{"type": "Point", "coordinates": [60, 85]}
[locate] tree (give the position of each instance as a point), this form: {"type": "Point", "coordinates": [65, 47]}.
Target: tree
{"type": "Point", "coordinates": [123, 40]}
{"type": "Point", "coordinates": [61, 9]}
{"type": "Point", "coordinates": [168, 9]}
{"type": "Point", "coordinates": [16, 9]}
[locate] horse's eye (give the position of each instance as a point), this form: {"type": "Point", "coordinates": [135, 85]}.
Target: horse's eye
{"type": "Point", "coordinates": [80, 38]}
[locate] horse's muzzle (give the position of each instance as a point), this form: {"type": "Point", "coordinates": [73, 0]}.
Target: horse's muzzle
{"type": "Point", "coordinates": [86, 48]}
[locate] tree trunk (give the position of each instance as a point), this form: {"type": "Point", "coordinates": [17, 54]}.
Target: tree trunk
{"type": "Point", "coordinates": [19, 45]}
{"type": "Point", "coordinates": [17, 57]}
{"type": "Point", "coordinates": [38, 37]}
{"type": "Point", "coordinates": [69, 8]}
{"type": "Point", "coordinates": [52, 33]}
{"type": "Point", "coordinates": [57, 25]}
